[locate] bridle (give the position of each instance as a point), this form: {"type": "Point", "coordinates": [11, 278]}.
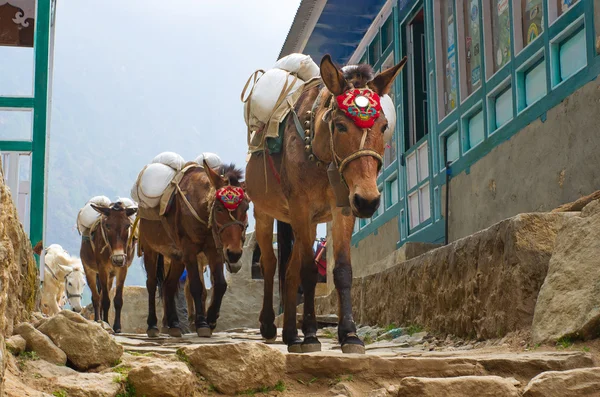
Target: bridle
{"type": "Point", "coordinates": [107, 243]}
{"type": "Point", "coordinates": [219, 228]}
{"type": "Point", "coordinates": [69, 295]}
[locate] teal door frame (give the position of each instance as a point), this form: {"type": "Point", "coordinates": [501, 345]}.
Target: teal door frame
{"type": "Point", "coordinates": [38, 104]}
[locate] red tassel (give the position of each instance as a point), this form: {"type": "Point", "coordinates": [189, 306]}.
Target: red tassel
{"type": "Point", "coordinates": [272, 166]}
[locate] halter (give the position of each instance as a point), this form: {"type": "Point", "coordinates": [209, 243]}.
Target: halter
{"type": "Point", "coordinates": [230, 208]}
{"type": "Point", "coordinates": [339, 164]}
{"type": "Point", "coordinates": [69, 295]}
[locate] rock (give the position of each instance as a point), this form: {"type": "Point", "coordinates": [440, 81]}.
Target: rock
{"type": "Point", "coordinates": [369, 333]}
{"type": "Point", "coordinates": [480, 386]}
{"type": "Point", "coordinates": [378, 393]}
{"type": "Point", "coordinates": [41, 344]}
{"type": "Point", "coordinates": [89, 385]}
{"type": "Point", "coordinates": [237, 367]}
{"type": "Point", "coordinates": [574, 383]}
{"type": "Point", "coordinates": [16, 344]}
{"type": "Point", "coordinates": [402, 339]}
{"type": "Point", "coordinates": [391, 334]}
{"type": "Point", "coordinates": [162, 379]}
{"type": "Point", "coordinates": [13, 387]}
{"type": "Point", "coordinates": [417, 338]}
{"type": "Point", "coordinates": [579, 204]}
{"type": "Point", "coordinates": [568, 303]}
{"type": "Point", "coordinates": [86, 344]}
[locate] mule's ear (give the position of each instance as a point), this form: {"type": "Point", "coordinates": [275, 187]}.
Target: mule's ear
{"type": "Point", "coordinates": [382, 83]}
{"type": "Point", "coordinates": [130, 211]}
{"type": "Point", "coordinates": [332, 76]}
{"type": "Point", "coordinates": [215, 179]}
{"type": "Point", "coordinates": [101, 210]}
{"type": "Point", "coordinates": [65, 269]}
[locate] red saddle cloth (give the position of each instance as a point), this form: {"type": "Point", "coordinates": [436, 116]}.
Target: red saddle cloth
{"type": "Point", "coordinates": [321, 259]}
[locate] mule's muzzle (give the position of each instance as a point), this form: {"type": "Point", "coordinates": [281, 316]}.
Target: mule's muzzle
{"type": "Point", "coordinates": [118, 260]}
{"type": "Point", "coordinates": [364, 207]}
{"type": "Point", "coordinates": [233, 257]}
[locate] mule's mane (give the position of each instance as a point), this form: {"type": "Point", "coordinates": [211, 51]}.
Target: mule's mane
{"type": "Point", "coordinates": [233, 174]}
{"type": "Point", "coordinates": [358, 75]}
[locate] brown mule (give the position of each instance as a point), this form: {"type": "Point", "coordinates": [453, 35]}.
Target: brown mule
{"type": "Point", "coordinates": [302, 195]}
{"type": "Point", "coordinates": [107, 254]}
{"type": "Point", "coordinates": [195, 222]}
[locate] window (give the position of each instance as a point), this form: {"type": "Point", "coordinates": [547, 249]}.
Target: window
{"type": "Point", "coordinates": [472, 45]}
{"type": "Point", "coordinates": [564, 5]}
{"type": "Point", "coordinates": [419, 202]}
{"type": "Point", "coordinates": [572, 54]}
{"type": "Point", "coordinates": [387, 33]}
{"type": "Point", "coordinates": [356, 225]}
{"type": "Point", "coordinates": [533, 20]}
{"type": "Point", "coordinates": [452, 148]}
{"type": "Point", "coordinates": [535, 83]}
{"type": "Point", "coordinates": [389, 155]}
{"type": "Point", "coordinates": [382, 206]}
{"type": "Point", "coordinates": [475, 130]}
{"type": "Point", "coordinates": [374, 50]}
{"type": "Point", "coordinates": [449, 56]}
{"type": "Point", "coordinates": [503, 107]}
{"type": "Point", "coordinates": [393, 192]}
{"type": "Point", "coordinates": [500, 33]}
{"type": "Point", "coordinates": [16, 167]}
{"type": "Point", "coordinates": [16, 124]}
{"type": "Point", "coordinates": [411, 173]}
{"type": "Point", "coordinates": [425, 201]}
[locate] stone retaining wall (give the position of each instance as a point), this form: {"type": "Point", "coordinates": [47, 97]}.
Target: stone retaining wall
{"type": "Point", "coordinates": [483, 286]}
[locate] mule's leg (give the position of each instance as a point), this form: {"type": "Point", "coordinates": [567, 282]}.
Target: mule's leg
{"type": "Point", "coordinates": [268, 264]}
{"type": "Point", "coordinates": [309, 274]}
{"type": "Point", "coordinates": [91, 278]}
{"type": "Point", "coordinates": [342, 277]}
{"type": "Point", "coordinates": [196, 288]}
{"type": "Point", "coordinates": [105, 291]}
{"type": "Point", "coordinates": [118, 300]}
{"type": "Point", "coordinates": [150, 264]}
{"type": "Point", "coordinates": [170, 286]}
{"type": "Point", "coordinates": [189, 299]}
{"type": "Point", "coordinates": [219, 288]}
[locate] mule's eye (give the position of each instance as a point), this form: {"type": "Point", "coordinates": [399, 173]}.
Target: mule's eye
{"type": "Point", "coordinates": [70, 285]}
{"type": "Point", "coordinates": [340, 127]}
{"type": "Point", "coordinates": [384, 128]}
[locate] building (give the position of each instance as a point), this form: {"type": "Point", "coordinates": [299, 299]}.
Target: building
{"type": "Point", "coordinates": [502, 91]}
{"type": "Point", "coordinates": [27, 39]}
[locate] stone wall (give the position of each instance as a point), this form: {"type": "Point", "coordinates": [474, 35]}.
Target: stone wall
{"type": "Point", "coordinates": [484, 285]}
{"type": "Point", "coordinates": [18, 271]}
{"type": "Point", "coordinates": [542, 166]}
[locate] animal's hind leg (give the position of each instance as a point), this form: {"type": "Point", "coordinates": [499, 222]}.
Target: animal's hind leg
{"type": "Point", "coordinates": [170, 286]}
{"type": "Point", "coordinates": [196, 288]}
{"type": "Point", "coordinates": [92, 280]}
{"type": "Point", "coordinates": [104, 282]}
{"type": "Point", "coordinates": [268, 264]}
{"type": "Point", "coordinates": [118, 300]}
{"type": "Point", "coordinates": [150, 264]}
{"type": "Point", "coordinates": [219, 289]}
{"type": "Point", "coordinates": [309, 275]}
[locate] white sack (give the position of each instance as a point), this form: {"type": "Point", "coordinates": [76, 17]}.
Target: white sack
{"type": "Point", "coordinates": [266, 92]}
{"type": "Point", "coordinates": [212, 159]}
{"type": "Point", "coordinates": [171, 159]}
{"type": "Point", "coordinates": [87, 215]}
{"type": "Point", "coordinates": [301, 64]}
{"type": "Point", "coordinates": [153, 182]}
{"type": "Point", "coordinates": [389, 110]}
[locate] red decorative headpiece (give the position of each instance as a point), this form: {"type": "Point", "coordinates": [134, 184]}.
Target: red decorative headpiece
{"type": "Point", "coordinates": [361, 105]}
{"type": "Point", "coordinates": [230, 196]}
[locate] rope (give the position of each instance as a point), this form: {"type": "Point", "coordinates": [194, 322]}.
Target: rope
{"type": "Point", "coordinates": [189, 205]}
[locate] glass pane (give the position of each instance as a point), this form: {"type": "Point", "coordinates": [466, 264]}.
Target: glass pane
{"type": "Point", "coordinates": [564, 5]}
{"type": "Point", "coordinates": [504, 108]}
{"type": "Point", "coordinates": [393, 192]}
{"type": "Point", "coordinates": [411, 165]}
{"type": "Point", "coordinates": [390, 152]}
{"type": "Point", "coordinates": [16, 71]}
{"type": "Point", "coordinates": [381, 206]}
{"type": "Point", "coordinates": [452, 148]}
{"type": "Point", "coordinates": [374, 51]}
{"type": "Point", "coordinates": [449, 52]}
{"type": "Point", "coordinates": [16, 125]}
{"type": "Point", "coordinates": [533, 20]}
{"type": "Point", "coordinates": [472, 45]}
{"type": "Point", "coordinates": [535, 83]}
{"type": "Point", "coordinates": [425, 203]}
{"type": "Point", "coordinates": [500, 32]}
{"type": "Point", "coordinates": [387, 33]}
{"type": "Point", "coordinates": [413, 209]}
{"type": "Point", "coordinates": [356, 225]}
{"type": "Point", "coordinates": [476, 130]}
{"type": "Point", "coordinates": [572, 55]}
{"type": "Point", "coordinates": [423, 163]}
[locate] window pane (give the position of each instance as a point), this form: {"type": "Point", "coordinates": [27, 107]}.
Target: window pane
{"type": "Point", "coordinates": [535, 83]}
{"type": "Point", "coordinates": [413, 209]}
{"type": "Point", "coordinates": [374, 51]}
{"type": "Point", "coordinates": [476, 130]}
{"type": "Point", "coordinates": [504, 107]}
{"type": "Point", "coordinates": [390, 152]}
{"type": "Point", "coordinates": [452, 148]}
{"type": "Point", "coordinates": [449, 52]}
{"type": "Point", "coordinates": [500, 32]}
{"type": "Point", "coordinates": [572, 55]}
{"type": "Point", "coordinates": [16, 125]}
{"type": "Point", "coordinates": [387, 33]}
{"type": "Point", "coordinates": [425, 203]}
{"type": "Point", "coordinates": [411, 165]}
{"type": "Point", "coordinates": [423, 163]}
{"type": "Point", "coordinates": [393, 192]}
{"type": "Point", "coordinates": [356, 225]}
{"type": "Point", "coordinates": [533, 18]}
{"type": "Point", "coordinates": [564, 5]}
{"type": "Point", "coordinates": [472, 45]}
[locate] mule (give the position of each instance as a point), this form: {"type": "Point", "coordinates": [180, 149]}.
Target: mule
{"type": "Point", "coordinates": [106, 255]}
{"type": "Point", "coordinates": [63, 275]}
{"type": "Point", "coordinates": [198, 220]}
{"type": "Point", "coordinates": [326, 171]}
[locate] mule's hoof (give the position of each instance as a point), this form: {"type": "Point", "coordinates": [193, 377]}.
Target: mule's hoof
{"type": "Point", "coordinates": [268, 331]}
{"type": "Point", "coordinates": [311, 345]}
{"type": "Point", "coordinates": [117, 331]}
{"type": "Point", "coordinates": [271, 341]}
{"type": "Point", "coordinates": [175, 332]}
{"type": "Point", "coordinates": [164, 330]}
{"type": "Point", "coordinates": [295, 348]}
{"type": "Point", "coordinates": [153, 333]}
{"type": "Point", "coordinates": [204, 332]}
{"type": "Point", "coordinates": [353, 345]}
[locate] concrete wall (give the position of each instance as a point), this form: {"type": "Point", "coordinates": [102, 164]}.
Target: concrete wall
{"type": "Point", "coordinates": [543, 166]}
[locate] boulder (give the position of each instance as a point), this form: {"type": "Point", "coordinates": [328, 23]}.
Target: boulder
{"type": "Point", "coordinates": [569, 303]}
{"type": "Point", "coordinates": [86, 344]}
{"type": "Point", "coordinates": [574, 383]}
{"type": "Point", "coordinates": [480, 386]}
{"type": "Point", "coordinates": [237, 367]}
{"type": "Point", "coordinates": [162, 379]}
{"type": "Point", "coordinates": [37, 342]}
{"type": "Point", "coordinates": [16, 344]}
{"type": "Point", "coordinates": [13, 387]}
{"type": "Point", "coordinates": [89, 385]}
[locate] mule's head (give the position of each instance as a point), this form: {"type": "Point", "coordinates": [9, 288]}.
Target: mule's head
{"type": "Point", "coordinates": [229, 216]}
{"type": "Point", "coordinates": [114, 230]}
{"type": "Point", "coordinates": [74, 285]}
{"type": "Point", "coordinates": [358, 127]}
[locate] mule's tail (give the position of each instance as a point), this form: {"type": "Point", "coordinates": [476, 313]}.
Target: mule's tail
{"type": "Point", "coordinates": [285, 242]}
{"type": "Point", "coordinates": [160, 274]}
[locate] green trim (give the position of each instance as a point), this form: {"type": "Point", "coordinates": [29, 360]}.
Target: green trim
{"type": "Point", "coordinates": [40, 115]}
{"type": "Point", "coordinates": [16, 102]}
{"type": "Point", "coordinates": [16, 146]}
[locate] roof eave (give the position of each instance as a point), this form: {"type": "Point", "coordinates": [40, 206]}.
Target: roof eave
{"type": "Point", "coordinates": [304, 23]}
